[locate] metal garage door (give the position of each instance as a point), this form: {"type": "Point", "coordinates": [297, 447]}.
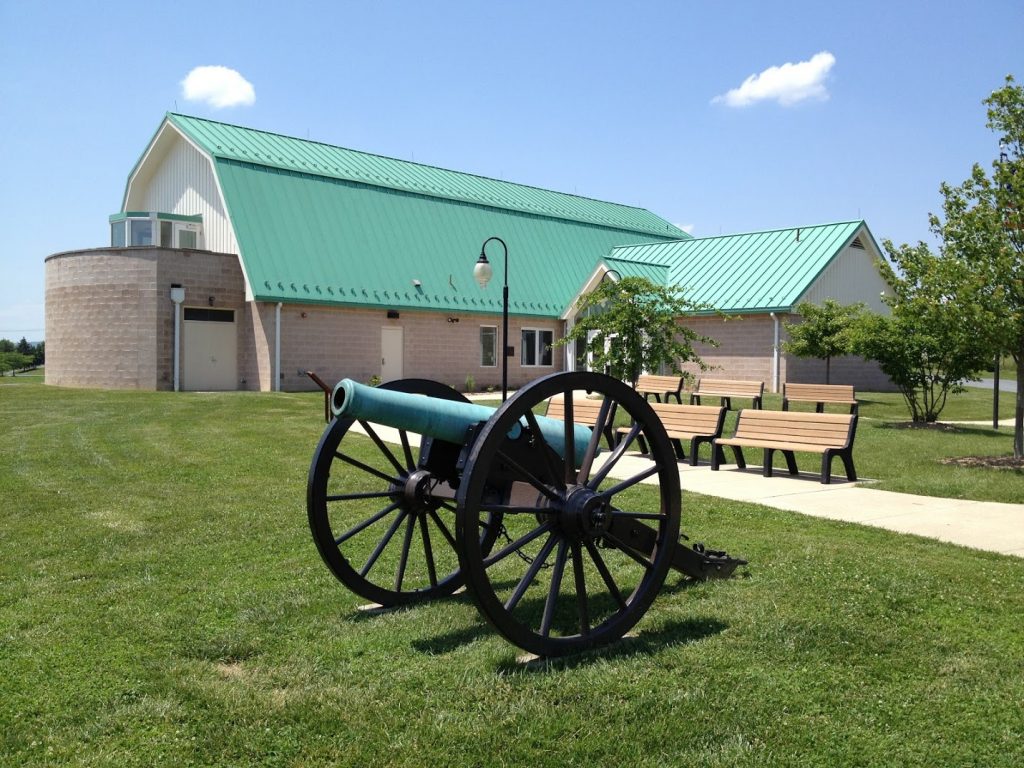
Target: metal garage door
{"type": "Point", "coordinates": [210, 356]}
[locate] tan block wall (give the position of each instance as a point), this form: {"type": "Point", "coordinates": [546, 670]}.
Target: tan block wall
{"type": "Point", "coordinates": [864, 375]}
{"type": "Point", "coordinates": [745, 352]}
{"type": "Point", "coordinates": [203, 275]}
{"type": "Point", "coordinates": [110, 319]}
{"type": "Point", "coordinates": [340, 342]}
{"type": "Point", "coordinates": [101, 319]}
{"type": "Point", "coordinates": [110, 323]}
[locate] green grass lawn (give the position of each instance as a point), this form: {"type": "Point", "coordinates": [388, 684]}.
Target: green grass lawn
{"type": "Point", "coordinates": [162, 603]}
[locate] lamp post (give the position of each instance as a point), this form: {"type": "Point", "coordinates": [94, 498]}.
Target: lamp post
{"type": "Point", "coordinates": [482, 272]}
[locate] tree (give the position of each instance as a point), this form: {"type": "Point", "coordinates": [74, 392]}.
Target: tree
{"type": "Point", "coordinates": [24, 348]}
{"type": "Point", "coordinates": [825, 332]}
{"type": "Point", "coordinates": [39, 356]}
{"type": "Point", "coordinates": [928, 346]}
{"type": "Point", "coordinates": [13, 361]}
{"type": "Point", "coordinates": [982, 228]}
{"type": "Point", "coordinates": [6, 345]}
{"type": "Point", "coordinates": [639, 321]}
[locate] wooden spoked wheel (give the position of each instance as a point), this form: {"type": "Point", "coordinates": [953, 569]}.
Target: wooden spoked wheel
{"type": "Point", "coordinates": [569, 572]}
{"type": "Point", "coordinates": [382, 521]}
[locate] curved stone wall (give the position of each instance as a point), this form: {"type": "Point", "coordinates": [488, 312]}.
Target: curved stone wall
{"type": "Point", "coordinates": [109, 317]}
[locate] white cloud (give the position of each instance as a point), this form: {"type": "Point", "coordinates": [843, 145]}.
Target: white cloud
{"type": "Point", "coordinates": [219, 87]}
{"type": "Point", "coordinates": [687, 228]}
{"type": "Point", "coordinates": [788, 84]}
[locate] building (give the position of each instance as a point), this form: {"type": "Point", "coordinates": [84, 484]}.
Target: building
{"type": "Point", "coordinates": [240, 259]}
{"type": "Point", "coordinates": [757, 280]}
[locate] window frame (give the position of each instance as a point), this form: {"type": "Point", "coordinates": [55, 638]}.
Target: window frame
{"type": "Point", "coordinates": [538, 347]}
{"type": "Point", "coordinates": [494, 346]}
{"type": "Point", "coordinates": [165, 230]}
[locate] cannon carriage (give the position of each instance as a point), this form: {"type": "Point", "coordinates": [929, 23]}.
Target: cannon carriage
{"type": "Point", "coordinates": [562, 543]}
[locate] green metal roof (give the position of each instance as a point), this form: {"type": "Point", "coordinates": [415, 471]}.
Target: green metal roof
{"type": "Point", "coordinates": [753, 272]}
{"type": "Point", "coordinates": [271, 150]}
{"type": "Point", "coordinates": [323, 224]}
{"type": "Point", "coordinates": [314, 239]}
{"type": "Point", "coordinates": [656, 273]}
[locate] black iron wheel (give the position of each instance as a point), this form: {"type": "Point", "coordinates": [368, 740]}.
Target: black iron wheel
{"type": "Point", "coordinates": [572, 571]}
{"type": "Point", "coordinates": [382, 522]}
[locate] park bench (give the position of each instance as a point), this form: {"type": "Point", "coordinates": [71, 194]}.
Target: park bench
{"type": "Point", "coordinates": [830, 434]}
{"type": "Point", "coordinates": [696, 424]}
{"type": "Point", "coordinates": [819, 394]}
{"type": "Point", "coordinates": [726, 389]}
{"type": "Point", "coordinates": [584, 413]}
{"type": "Point", "coordinates": [670, 386]}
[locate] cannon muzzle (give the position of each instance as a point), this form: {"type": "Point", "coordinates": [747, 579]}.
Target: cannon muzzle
{"type": "Point", "coordinates": [443, 419]}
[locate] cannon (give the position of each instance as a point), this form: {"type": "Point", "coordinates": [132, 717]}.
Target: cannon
{"type": "Point", "coordinates": [562, 542]}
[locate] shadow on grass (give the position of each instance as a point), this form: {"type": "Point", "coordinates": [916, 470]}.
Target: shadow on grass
{"type": "Point", "coordinates": [371, 610]}
{"type": "Point", "coordinates": [645, 643]}
{"type": "Point", "coordinates": [455, 639]}
{"type": "Point", "coordinates": [452, 641]}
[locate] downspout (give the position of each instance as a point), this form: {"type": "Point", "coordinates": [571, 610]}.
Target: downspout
{"type": "Point", "coordinates": [775, 355]}
{"type": "Point", "coordinates": [177, 296]}
{"type": "Point", "coordinates": [570, 349]}
{"type": "Point", "coordinates": [277, 348]}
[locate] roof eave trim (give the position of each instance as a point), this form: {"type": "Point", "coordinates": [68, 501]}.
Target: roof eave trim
{"type": "Point", "coordinates": [142, 159]}
{"type": "Point", "coordinates": [589, 285]}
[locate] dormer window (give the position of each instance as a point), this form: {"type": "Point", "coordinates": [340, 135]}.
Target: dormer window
{"type": "Point", "coordinates": [147, 229]}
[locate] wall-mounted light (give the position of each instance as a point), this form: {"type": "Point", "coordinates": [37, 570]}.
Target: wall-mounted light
{"type": "Point", "coordinates": [302, 315]}
{"type": "Point", "coordinates": [177, 296]}
{"type": "Point", "coordinates": [210, 299]}
{"type": "Point", "coordinates": [453, 319]}
{"type": "Point", "coordinates": [392, 314]}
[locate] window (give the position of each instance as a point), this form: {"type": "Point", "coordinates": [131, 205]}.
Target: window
{"type": "Point", "coordinates": [210, 315]}
{"type": "Point", "coordinates": [186, 238]}
{"type": "Point", "coordinates": [117, 234]}
{"type": "Point", "coordinates": [166, 233]}
{"type": "Point", "coordinates": [141, 231]}
{"type": "Point", "coordinates": [536, 347]}
{"type": "Point", "coordinates": [147, 229]}
{"type": "Point", "coordinates": [488, 346]}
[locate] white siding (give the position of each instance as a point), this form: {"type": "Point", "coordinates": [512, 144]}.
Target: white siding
{"type": "Point", "coordinates": [183, 182]}
{"type": "Point", "coordinates": [851, 277]}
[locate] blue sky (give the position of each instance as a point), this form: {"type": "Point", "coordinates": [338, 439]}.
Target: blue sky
{"type": "Point", "coordinates": [610, 100]}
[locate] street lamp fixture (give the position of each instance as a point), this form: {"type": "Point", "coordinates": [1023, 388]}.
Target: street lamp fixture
{"type": "Point", "coordinates": [483, 273]}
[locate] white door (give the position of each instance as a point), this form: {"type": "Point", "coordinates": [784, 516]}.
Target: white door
{"type": "Point", "coordinates": [210, 358]}
{"type": "Point", "coordinates": [390, 354]}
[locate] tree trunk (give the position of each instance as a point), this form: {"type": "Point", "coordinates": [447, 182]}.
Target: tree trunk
{"type": "Point", "coordinates": [828, 366]}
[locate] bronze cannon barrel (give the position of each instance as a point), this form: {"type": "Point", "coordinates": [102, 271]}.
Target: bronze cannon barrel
{"type": "Point", "coordinates": [444, 419]}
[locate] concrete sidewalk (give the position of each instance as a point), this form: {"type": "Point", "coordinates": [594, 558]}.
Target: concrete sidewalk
{"type": "Point", "coordinates": [983, 525]}
{"type": "Point", "coordinates": [987, 525]}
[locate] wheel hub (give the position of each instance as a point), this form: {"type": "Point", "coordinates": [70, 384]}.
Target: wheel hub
{"type": "Point", "coordinates": [417, 491]}
{"type": "Point", "coordinates": [586, 514]}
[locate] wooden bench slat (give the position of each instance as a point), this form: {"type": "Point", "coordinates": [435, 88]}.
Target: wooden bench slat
{"type": "Point", "coordinates": [830, 434]}
{"type": "Point", "coordinates": [826, 434]}
{"type": "Point", "coordinates": [660, 384]}
{"type": "Point", "coordinates": [728, 389]}
{"type": "Point", "coordinates": [820, 395]}
{"type": "Point", "coordinates": [696, 424]}
{"type": "Point", "coordinates": [585, 413]}
{"type": "Point", "coordinates": [812, 445]}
